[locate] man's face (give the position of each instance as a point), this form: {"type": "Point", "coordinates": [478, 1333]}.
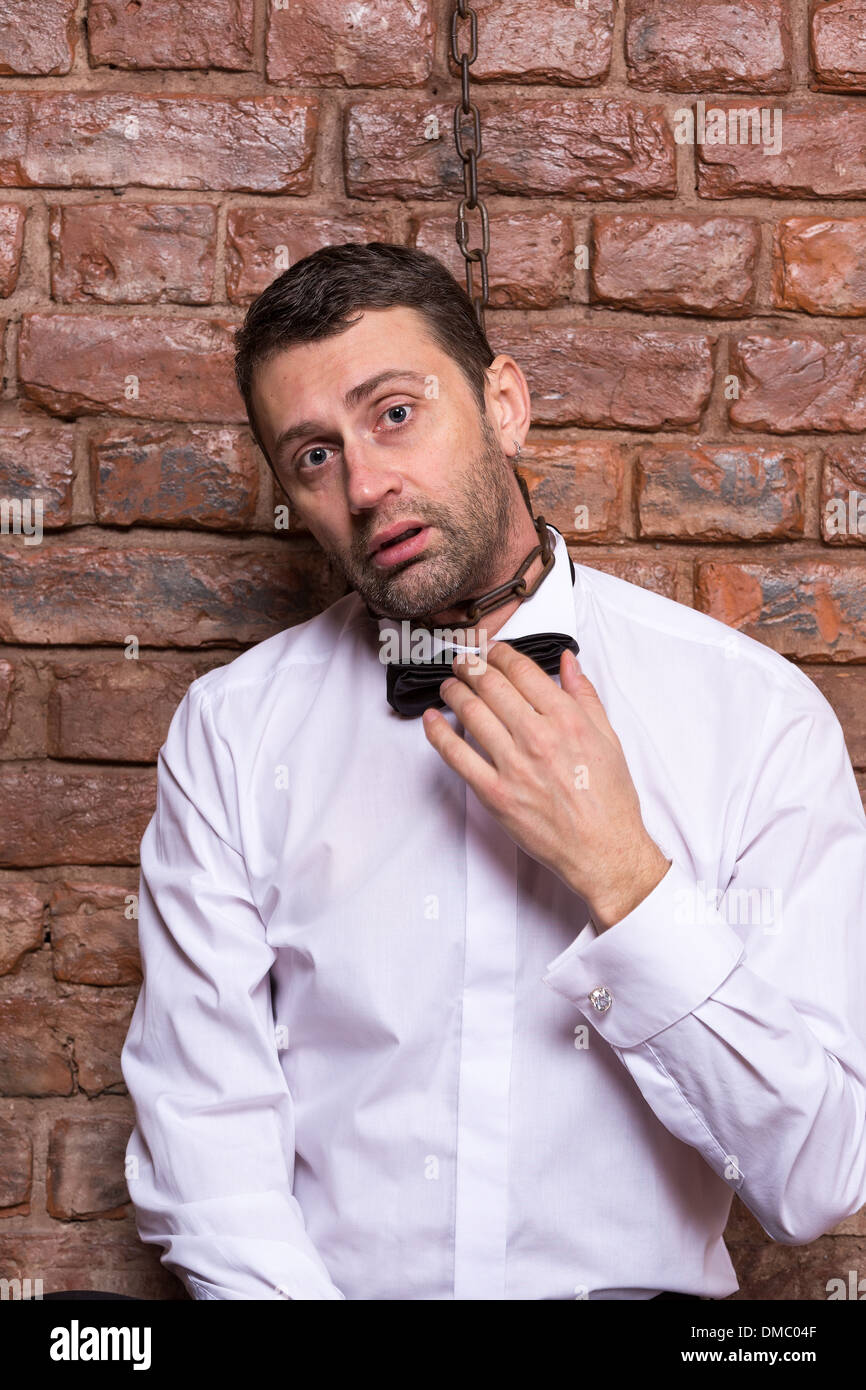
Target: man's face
{"type": "Point", "coordinates": [376, 430]}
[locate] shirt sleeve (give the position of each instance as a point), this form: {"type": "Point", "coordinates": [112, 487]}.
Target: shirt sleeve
{"type": "Point", "coordinates": [739, 1012]}
{"type": "Point", "coordinates": [210, 1162]}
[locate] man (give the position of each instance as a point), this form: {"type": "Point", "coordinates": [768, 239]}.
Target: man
{"type": "Point", "coordinates": [506, 997]}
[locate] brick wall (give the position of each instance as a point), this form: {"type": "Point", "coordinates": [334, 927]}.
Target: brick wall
{"type": "Point", "coordinates": [688, 317]}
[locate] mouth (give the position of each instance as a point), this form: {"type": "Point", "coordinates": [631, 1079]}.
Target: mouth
{"type": "Point", "coordinates": [403, 546]}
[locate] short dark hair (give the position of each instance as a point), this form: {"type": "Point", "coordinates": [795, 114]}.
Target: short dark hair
{"type": "Point", "coordinates": [315, 297]}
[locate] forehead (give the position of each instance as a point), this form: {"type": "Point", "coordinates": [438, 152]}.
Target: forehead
{"type": "Point", "coordinates": [378, 339]}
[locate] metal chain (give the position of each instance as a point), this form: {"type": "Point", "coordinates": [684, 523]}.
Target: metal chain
{"type": "Point", "coordinates": [470, 156]}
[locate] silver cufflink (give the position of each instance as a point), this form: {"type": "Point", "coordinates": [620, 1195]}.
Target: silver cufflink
{"type": "Point", "coordinates": [601, 999]}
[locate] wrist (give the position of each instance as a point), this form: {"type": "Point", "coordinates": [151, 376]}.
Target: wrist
{"type": "Point", "coordinates": [654, 865]}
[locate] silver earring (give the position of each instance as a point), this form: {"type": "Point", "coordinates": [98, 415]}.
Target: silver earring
{"type": "Point", "coordinates": [517, 442]}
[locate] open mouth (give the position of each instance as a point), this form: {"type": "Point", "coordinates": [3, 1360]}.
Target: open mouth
{"type": "Point", "coordinates": [404, 535]}
{"type": "Point", "coordinates": [406, 546]}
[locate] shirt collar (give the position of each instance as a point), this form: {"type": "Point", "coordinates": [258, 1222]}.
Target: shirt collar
{"type": "Point", "coordinates": [549, 609]}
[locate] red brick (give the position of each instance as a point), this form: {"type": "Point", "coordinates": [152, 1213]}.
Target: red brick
{"type": "Point", "coordinates": [21, 912]}
{"type": "Point", "coordinates": [801, 608]}
{"type": "Point", "coordinates": [99, 1026]}
{"type": "Point", "coordinates": [84, 1178]}
{"type": "Point", "coordinates": [114, 139]}
{"type": "Point", "coordinates": [211, 34]}
{"type": "Point", "coordinates": [690, 46]}
{"type": "Point", "coordinates": [838, 45]}
{"type": "Point", "coordinates": [16, 1169]}
{"type": "Point", "coordinates": [35, 1048]}
{"type": "Point", "coordinates": [565, 475]}
{"type": "Point", "coordinates": [587, 147]}
{"type": "Point", "coordinates": [82, 594]}
{"type": "Point", "coordinates": [7, 695]}
{"type": "Point", "coordinates": [659, 576]}
{"type": "Point", "coordinates": [82, 364]}
{"type": "Point", "coordinates": [66, 1258]}
{"type": "Point", "coordinates": [690, 265]}
{"type": "Point", "coordinates": [791, 385]}
{"type": "Point", "coordinates": [37, 37]}
{"type": "Point", "coordinates": [56, 813]}
{"type": "Point", "coordinates": [542, 42]}
{"type": "Point", "coordinates": [534, 263]}
{"type": "Point", "coordinates": [720, 492]}
{"type": "Point", "coordinates": [332, 44]}
{"type": "Point", "coordinates": [612, 377]}
{"type": "Point", "coordinates": [12, 220]}
{"type": "Point", "coordinates": [263, 242]}
{"type": "Point", "coordinates": [160, 476]}
{"type": "Point", "coordinates": [819, 265]}
{"type": "Point", "coordinates": [823, 155]}
{"type": "Point", "coordinates": [93, 941]}
{"type": "Point", "coordinates": [117, 710]}
{"type": "Point", "coordinates": [846, 691]}
{"type": "Point", "coordinates": [36, 463]}
{"type": "Point", "coordinates": [132, 253]}
{"type": "Point", "coordinates": [843, 493]}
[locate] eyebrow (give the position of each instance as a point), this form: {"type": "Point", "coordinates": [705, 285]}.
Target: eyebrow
{"type": "Point", "coordinates": [354, 396]}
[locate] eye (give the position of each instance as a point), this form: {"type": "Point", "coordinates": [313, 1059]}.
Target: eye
{"type": "Point", "coordinates": [403, 406]}
{"type": "Point", "coordinates": [315, 462]}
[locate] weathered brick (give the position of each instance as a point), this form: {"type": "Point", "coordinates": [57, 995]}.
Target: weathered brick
{"type": "Point", "coordinates": [332, 44]}
{"type": "Point", "coordinates": [587, 147]}
{"type": "Point", "coordinates": [823, 154]}
{"type": "Point", "coordinates": [35, 1048]}
{"type": "Point", "coordinates": [66, 1258]}
{"type": "Point", "coordinates": [12, 222]}
{"type": "Point", "coordinates": [577, 485]}
{"type": "Point", "coordinates": [84, 1177]}
{"type": "Point", "coordinates": [36, 466]}
{"type": "Point", "coordinates": [112, 139]}
{"type": "Point", "coordinates": [263, 242]}
{"type": "Point", "coordinates": [819, 265]}
{"type": "Point", "coordinates": [94, 936]}
{"type": "Point", "coordinates": [153, 367]}
{"type": "Point", "coordinates": [772, 1271]}
{"type": "Point", "coordinates": [789, 385]}
{"type": "Point", "coordinates": [846, 691]}
{"type": "Point", "coordinates": [57, 813]}
{"type": "Point", "coordinates": [160, 476]}
{"type": "Point", "coordinates": [99, 1026]}
{"type": "Point", "coordinates": [132, 253]}
{"type": "Point", "coordinates": [211, 34]}
{"type": "Point", "coordinates": [117, 710]}
{"type": "Point", "coordinates": [7, 695]}
{"type": "Point", "coordinates": [659, 576]}
{"type": "Point", "coordinates": [37, 37]}
{"type": "Point", "coordinates": [612, 377]}
{"type": "Point", "coordinates": [689, 46]}
{"type": "Point", "coordinates": [692, 265]}
{"type": "Point", "coordinates": [544, 42]}
{"type": "Point", "coordinates": [843, 493]}
{"type": "Point", "coordinates": [720, 492]}
{"type": "Point", "coordinates": [837, 31]}
{"type": "Point", "coordinates": [16, 1169]}
{"type": "Point", "coordinates": [165, 598]}
{"type": "Point", "coordinates": [801, 608]}
{"type": "Point", "coordinates": [21, 911]}
{"type": "Point", "coordinates": [534, 263]}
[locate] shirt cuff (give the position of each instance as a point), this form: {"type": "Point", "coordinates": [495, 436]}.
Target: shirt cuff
{"type": "Point", "coordinates": [652, 967]}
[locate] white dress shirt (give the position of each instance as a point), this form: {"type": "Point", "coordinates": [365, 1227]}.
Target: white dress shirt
{"type": "Point", "coordinates": [364, 1059]}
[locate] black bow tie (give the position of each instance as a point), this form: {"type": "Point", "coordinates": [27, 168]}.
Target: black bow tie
{"type": "Point", "coordinates": [413, 686]}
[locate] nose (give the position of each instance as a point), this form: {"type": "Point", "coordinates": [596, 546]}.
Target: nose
{"type": "Point", "coordinates": [370, 474]}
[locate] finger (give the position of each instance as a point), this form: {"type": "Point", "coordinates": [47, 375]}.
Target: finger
{"type": "Point", "coordinates": [525, 675]}
{"type": "Point", "coordinates": [582, 690]}
{"type": "Point", "coordinates": [478, 718]}
{"type": "Point", "coordinates": [511, 708]}
{"type": "Point", "coordinates": [458, 754]}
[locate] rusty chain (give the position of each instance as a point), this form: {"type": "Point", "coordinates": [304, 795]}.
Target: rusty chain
{"type": "Point", "coordinates": [470, 156]}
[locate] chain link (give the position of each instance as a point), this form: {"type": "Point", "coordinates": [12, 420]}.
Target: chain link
{"type": "Point", "coordinates": [470, 156]}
